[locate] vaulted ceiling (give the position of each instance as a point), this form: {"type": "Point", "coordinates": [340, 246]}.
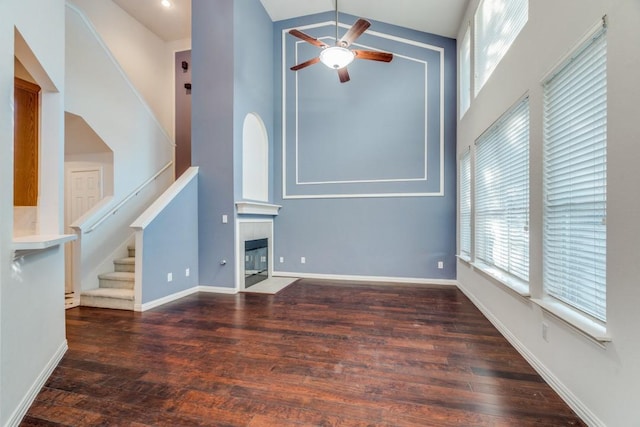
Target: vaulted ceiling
{"type": "Point", "coordinates": [432, 16]}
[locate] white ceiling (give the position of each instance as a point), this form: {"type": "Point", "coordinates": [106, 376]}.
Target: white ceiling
{"type": "Point", "coordinates": [169, 24]}
{"type": "Point", "coordinates": [432, 16]}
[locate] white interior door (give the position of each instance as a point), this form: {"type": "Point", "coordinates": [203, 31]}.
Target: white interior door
{"type": "Point", "coordinates": [84, 191]}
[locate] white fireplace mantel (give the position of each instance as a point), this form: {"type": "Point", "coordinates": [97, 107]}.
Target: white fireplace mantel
{"type": "Point", "coordinates": [255, 208]}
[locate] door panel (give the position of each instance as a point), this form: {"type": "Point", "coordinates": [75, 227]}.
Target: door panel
{"type": "Point", "coordinates": [84, 191]}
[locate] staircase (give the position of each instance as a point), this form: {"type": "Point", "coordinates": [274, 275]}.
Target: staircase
{"type": "Point", "coordinates": [116, 288]}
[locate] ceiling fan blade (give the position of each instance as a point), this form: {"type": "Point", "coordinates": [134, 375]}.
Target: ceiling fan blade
{"type": "Point", "coordinates": [305, 64]}
{"type": "Point", "coordinates": [308, 38]}
{"type": "Point", "coordinates": [373, 55]}
{"type": "Point", "coordinates": [354, 32]}
{"type": "Point", "coordinates": [343, 74]}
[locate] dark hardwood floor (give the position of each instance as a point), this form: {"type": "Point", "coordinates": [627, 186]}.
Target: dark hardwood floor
{"type": "Point", "coordinates": [316, 354]}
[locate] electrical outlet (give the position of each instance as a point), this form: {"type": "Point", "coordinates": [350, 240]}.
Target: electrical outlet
{"type": "Point", "coordinates": [225, 219]}
{"type": "Point", "coordinates": [281, 259]}
{"type": "Point", "coordinates": [303, 260]}
{"type": "Point", "coordinates": [440, 265]}
{"type": "Point", "coordinates": [187, 272]}
{"type": "Point", "coordinates": [545, 329]}
{"type": "Point", "coordinates": [169, 277]}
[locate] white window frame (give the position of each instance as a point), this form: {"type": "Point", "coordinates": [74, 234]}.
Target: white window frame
{"type": "Point", "coordinates": [501, 199]}
{"type": "Point", "coordinates": [567, 255]}
{"type": "Point", "coordinates": [465, 72]}
{"type": "Point", "coordinates": [497, 24]}
{"type": "Point", "coordinates": [465, 205]}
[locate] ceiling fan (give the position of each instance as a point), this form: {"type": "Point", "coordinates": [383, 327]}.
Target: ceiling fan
{"type": "Point", "coordinates": [339, 56]}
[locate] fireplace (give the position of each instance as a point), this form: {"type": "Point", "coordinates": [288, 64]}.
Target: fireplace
{"type": "Point", "coordinates": [254, 256]}
{"type": "Point", "coordinates": [256, 261]}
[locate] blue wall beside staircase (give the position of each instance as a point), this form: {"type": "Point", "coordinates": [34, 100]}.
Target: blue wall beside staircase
{"type": "Point", "coordinates": [170, 245]}
{"type": "Point", "coordinates": [212, 137]}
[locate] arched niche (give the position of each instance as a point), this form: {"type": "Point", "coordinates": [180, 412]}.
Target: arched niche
{"type": "Point", "coordinates": [255, 159]}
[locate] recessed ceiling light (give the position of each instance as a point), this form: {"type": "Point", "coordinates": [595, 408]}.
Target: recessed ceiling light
{"type": "Point", "coordinates": [166, 3]}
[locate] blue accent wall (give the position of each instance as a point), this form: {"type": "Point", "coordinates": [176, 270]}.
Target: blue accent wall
{"type": "Point", "coordinates": [212, 145]}
{"type": "Point", "coordinates": [366, 170]}
{"type": "Point", "coordinates": [232, 76]}
{"type": "Point", "coordinates": [367, 175]}
{"type": "Point", "coordinates": [254, 71]}
{"type": "Point", "coordinates": [170, 245]}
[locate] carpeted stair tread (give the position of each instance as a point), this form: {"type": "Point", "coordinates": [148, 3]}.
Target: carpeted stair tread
{"type": "Point", "coordinates": [117, 279]}
{"type": "Point", "coordinates": [124, 276]}
{"type": "Point", "coordinates": [114, 298]}
{"type": "Point", "coordinates": [125, 294]}
{"type": "Point", "coordinates": [125, 264]}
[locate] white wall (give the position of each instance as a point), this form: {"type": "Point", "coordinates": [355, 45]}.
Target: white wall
{"type": "Point", "coordinates": [98, 91]}
{"type": "Point", "coordinates": [104, 98]}
{"type": "Point", "coordinates": [146, 59]}
{"type": "Point", "coordinates": [601, 383]}
{"type": "Point", "coordinates": [103, 161]}
{"type": "Point", "coordinates": [179, 46]}
{"type": "Point", "coordinates": [32, 336]}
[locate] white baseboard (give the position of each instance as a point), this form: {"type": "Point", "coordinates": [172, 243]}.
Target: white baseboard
{"type": "Point", "coordinates": [567, 395]}
{"type": "Point", "coordinates": [169, 298]}
{"type": "Point", "coordinates": [377, 279]}
{"type": "Point", "coordinates": [232, 291]}
{"type": "Point", "coordinates": [16, 418]}
{"type": "Point", "coordinates": [217, 290]}
{"type": "Point", "coordinates": [173, 297]}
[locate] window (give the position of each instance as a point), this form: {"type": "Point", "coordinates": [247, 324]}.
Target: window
{"type": "Point", "coordinates": [465, 72]}
{"type": "Point", "coordinates": [575, 171]}
{"type": "Point", "coordinates": [465, 205]}
{"type": "Point", "coordinates": [502, 195]}
{"type": "Point", "coordinates": [497, 24]}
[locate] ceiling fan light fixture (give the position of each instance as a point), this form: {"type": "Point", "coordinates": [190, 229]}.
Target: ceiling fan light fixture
{"type": "Point", "coordinates": [336, 57]}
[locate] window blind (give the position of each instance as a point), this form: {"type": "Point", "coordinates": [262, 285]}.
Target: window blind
{"type": "Point", "coordinates": [502, 194]}
{"type": "Point", "coordinates": [465, 72]}
{"type": "Point", "coordinates": [497, 24]}
{"type": "Point", "coordinates": [575, 180]}
{"type": "Point", "coordinates": [465, 205]}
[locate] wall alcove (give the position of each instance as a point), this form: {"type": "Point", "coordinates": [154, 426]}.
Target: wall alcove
{"type": "Point", "coordinates": [255, 159]}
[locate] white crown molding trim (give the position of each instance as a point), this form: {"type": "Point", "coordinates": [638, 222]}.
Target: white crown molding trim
{"type": "Point", "coordinates": [558, 386]}
{"type": "Point", "coordinates": [358, 196]}
{"type": "Point", "coordinates": [424, 177]}
{"type": "Point", "coordinates": [376, 279]}
{"type": "Point", "coordinates": [16, 418]}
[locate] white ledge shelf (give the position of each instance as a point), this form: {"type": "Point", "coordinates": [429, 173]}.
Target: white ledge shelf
{"type": "Point", "coordinates": [40, 241]}
{"type": "Point", "coordinates": [27, 245]}
{"type": "Point", "coordinates": [581, 323]}
{"type": "Point", "coordinates": [253, 208]}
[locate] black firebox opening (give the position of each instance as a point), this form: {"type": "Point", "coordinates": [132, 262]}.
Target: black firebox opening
{"type": "Point", "coordinates": [256, 264]}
